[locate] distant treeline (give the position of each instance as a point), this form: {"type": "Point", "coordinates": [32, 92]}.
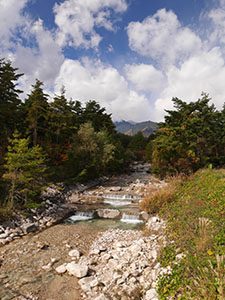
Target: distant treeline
{"type": "Point", "coordinates": [44, 139]}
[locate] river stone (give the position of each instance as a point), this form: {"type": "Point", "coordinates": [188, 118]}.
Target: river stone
{"type": "Point", "coordinates": [101, 297]}
{"type": "Point", "coordinates": [108, 213]}
{"type": "Point", "coordinates": [61, 269]}
{"type": "Point", "coordinates": [77, 270]}
{"type": "Point", "coordinates": [29, 227]}
{"type": "Point", "coordinates": [85, 283]}
{"type": "Point", "coordinates": [144, 216]}
{"type": "Point", "coordinates": [151, 295]}
{"type": "Point", "coordinates": [116, 188]}
{"type": "Point", "coordinates": [74, 253]}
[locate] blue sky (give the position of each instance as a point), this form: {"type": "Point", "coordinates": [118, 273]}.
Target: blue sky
{"type": "Point", "coordinates": [132, 56]}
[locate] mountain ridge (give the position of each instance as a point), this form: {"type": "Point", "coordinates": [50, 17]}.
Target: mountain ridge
{"type": "Point", "coordinates": [131, 128]}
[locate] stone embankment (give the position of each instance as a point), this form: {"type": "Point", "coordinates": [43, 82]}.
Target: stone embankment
{"type": "Point", "coordinates": [121, 264]}
{"type": "Point", "coordinates": [49, 213]}
{"type": "Point", "coordinates": [55, 208]}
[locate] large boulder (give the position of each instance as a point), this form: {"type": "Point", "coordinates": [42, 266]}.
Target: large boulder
{"type": "Point", "coordinates": [107, 213]}
{"type": "Point", "coordinates": [78, 270]}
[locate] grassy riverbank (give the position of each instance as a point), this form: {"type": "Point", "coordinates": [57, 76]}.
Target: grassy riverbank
{"type": "Point", "coordinates": [195, 211]}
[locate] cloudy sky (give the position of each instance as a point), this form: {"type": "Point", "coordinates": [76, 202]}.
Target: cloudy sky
{"type": "Point", "coordinates": [132, 56]}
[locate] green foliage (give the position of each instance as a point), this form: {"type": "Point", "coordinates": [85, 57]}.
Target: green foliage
{"type": "Point", "coordinates": [80, 141]}
{"type": "Point", "coordinates": [191, 137]}
{"type": "Point", "coordinates": [37, 107]}
{"type": "Point", "coordinates": [9, 103]}
{"type": "Point", "coordinates": [167, 255]}
{"type": "Point", "coordinates": [24, 170]}
{"type": "Point", "coordinates": [99, 119]}
{"type": "Point", "coordinates": [91, 152]}
{"type": "Point", "coordinates": [137, 145]}
{"type": "Point", "coordinates": [170, 285]}
{"type": "Point", "coordinates": [196, 223]}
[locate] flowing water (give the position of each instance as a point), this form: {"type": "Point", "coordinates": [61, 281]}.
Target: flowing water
{"type": "Point", "coordinates": [131, 219]}
{"type": "Point", "coordinates": [127, 205]}
{"type": "Point", "coordinates": [81, 216]}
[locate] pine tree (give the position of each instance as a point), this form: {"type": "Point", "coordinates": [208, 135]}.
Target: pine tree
{"type": "Point", "coordinates": [37, 107]}
{"type": "Point", "coordinates": [25, 168]}
{"type": "Point", "coordinates": [9, 102]}
{"type": "Point", "coordinates": [62, 124]}
{"type": "Point", "coordinates": [188, 139]}
{"type": "Point", "coordinates": [98, 117]}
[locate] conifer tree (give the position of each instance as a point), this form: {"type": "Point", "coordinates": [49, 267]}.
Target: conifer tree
{"type": "Point", "coordinates": [37, 108]}
{"type": "Point", "coordinates": [25, 168]}
{"type": "Point", "coordinates": [9, 102]}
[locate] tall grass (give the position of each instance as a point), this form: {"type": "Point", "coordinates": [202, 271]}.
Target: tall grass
{"type": "Point", "coordinates": [195, 213]}
{"type": "Point", "coordinates": [158, 198]}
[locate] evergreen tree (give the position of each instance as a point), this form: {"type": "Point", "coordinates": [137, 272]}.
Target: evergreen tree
{"type": "Point", "coordinates": [25, 168]}
{"type": "Point", "coordinates": [187, 140]}
{"type": "Point", "coordinates": [98, 117]}
{"type": "Point", "coordinates": [37, 108]}
{"type": "Point", "coordinates": [9, 102]}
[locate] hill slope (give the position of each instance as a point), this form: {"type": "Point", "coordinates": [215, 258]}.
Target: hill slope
{"type": "Point", "coordinates": [131, 128]}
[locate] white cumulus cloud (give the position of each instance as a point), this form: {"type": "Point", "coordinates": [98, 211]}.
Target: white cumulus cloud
{"type": "Point", "coordinates": [200, 73]}
{"type": "Point", "coordinates": [11, 17]}
{"type": "Point", "coordinates": [92, 80]}
{"type": "Point", "coordinates": [42, 61]}
{"type": "Point", "coordinates": [145, 77]}
{"type": "Point", "coordinates": [77, 20]}
{"type": "Point", "coordinates": [163, 38]}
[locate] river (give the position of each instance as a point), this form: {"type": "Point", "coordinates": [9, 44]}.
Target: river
{"type": "Point", "coordinates": [28, 264]}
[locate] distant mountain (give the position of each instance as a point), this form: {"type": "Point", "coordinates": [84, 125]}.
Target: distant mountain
{"type": "Point", "coordinates": [131, 128]}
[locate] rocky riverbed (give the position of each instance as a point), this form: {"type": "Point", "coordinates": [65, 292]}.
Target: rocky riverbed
{"type": "Point", "coordinates": [101, 258]}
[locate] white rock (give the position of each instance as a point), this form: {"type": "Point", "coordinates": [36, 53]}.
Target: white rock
{"type": "Point", "coordinates": [151, 295]}
{"type": "Point", "coordinates": [144, 216]}
{"type": "Point", "coordinates": [180, 256]}
{"type": "Point", "coordinates": [107, 213]}
{"type": "Point", "coordinates": [74, 253]}
{"type": "Point", "coordinates": [153, 254]}
{"type": "Point", "coordinates": [101, 297]}
{"type": "Point", "coordinates": [61, 269]}
{"type": "Point", "coordinates": [94, 252]}
{"type": "Point", "coordinates": [106, 257]}
{"type": "Point", "coordinates": [85, 283]}
{"type": "Point", "coordinates": [78, 270]}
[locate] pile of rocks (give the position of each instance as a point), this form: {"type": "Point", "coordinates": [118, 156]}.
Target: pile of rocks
{"type": "Point", "coordinates": [53, 210]}
{"type": "Point", "coordinates": [122, 264]}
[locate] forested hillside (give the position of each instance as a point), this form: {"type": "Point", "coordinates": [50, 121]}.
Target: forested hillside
{"type": "Point", "coordinates": [44, 139]}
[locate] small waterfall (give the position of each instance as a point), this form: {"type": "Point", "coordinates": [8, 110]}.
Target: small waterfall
{"type": "Point", "coordinates": [133, 219]}
{"type": "Point", "coordinates": [120, 197]}
{"type": "Point", "coordinates": [117, 202]}
{"type": "Point", "coordinates": [81, 216]}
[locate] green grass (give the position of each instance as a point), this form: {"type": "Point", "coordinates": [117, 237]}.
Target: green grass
{"type": "Point", "coordinates": [196, 223]}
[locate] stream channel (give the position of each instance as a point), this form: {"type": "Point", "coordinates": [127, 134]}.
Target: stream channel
{"type": "Point", "coordinates": [27, 271]}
